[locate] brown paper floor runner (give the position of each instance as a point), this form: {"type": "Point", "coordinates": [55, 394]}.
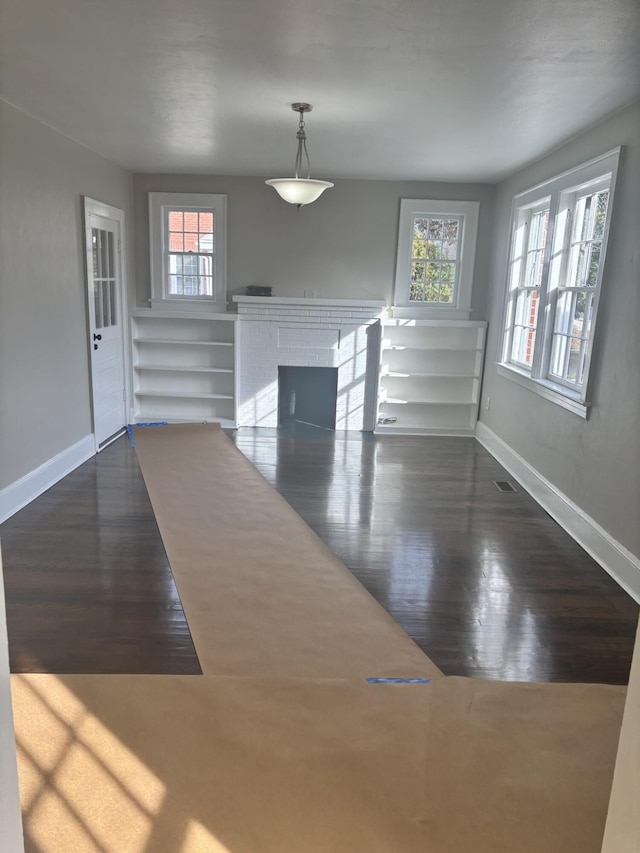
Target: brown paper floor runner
{"type": "Point", "coordinates": [263, 595]}
{"type": "Point", "coordinates": [187, 764]}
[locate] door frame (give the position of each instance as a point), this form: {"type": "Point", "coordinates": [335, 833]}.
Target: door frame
{"type": "Point", "coordinates": [92, 207]}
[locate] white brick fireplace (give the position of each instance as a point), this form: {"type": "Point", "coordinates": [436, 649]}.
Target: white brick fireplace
{"type": "Point", "coordinates": [275, 332]}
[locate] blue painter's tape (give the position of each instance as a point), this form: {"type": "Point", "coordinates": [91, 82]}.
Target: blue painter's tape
{"type": "Point", "coordinates": [130, 435]}
{"type": "Point", "coordinates": [157, 423]}
{"type": "Point", "coordinates": [398, 680]}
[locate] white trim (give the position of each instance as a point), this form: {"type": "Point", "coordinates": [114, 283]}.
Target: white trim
{"type": "Point", "coordinates": [99, 208]}
{"type": "Point", "coordinates": [10, 813]}
{"type": "Point", "coordinates": [158, 203]}
{"type": "Point", "coordinates": [620, 563]}
{"type": "Point", "coordinates": [21, 492]}
{"type": "Point", "coordinates": [468, 212]}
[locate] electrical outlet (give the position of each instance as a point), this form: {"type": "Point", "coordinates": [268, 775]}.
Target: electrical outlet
{"type": "Point", "coordinates": [488, 403]}
{"type": "Point", "coordinates": [309, 294]}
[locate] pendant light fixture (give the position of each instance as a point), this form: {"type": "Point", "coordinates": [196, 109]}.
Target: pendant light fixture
{"type": "Point", "coordinates": [299, 190]}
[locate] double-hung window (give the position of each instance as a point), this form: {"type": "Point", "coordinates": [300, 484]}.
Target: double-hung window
{"type": "Point", "coordinates": [187, 232]}
{"type": "Point", "coordinates": [556, 264]}
{"type": "Point", "coordinates": [436, 252]}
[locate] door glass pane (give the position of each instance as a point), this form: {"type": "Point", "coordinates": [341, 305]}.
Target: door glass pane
{"type": "Point", "coordinates": [97, 299]}
{"type": "Point", "coordinates": [112, 301]}
{"type": "Point", "coordinates": [110, 264]}
{"type": "Point", "coordinates": [106, 309]}
{"type": "Point", "coordinates": [103, 255]}
{"type": "Point", "coordinates": [94, 251]}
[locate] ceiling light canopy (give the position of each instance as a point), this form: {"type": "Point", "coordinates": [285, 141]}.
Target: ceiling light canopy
{"type": "Point", "coordinates": [299, 190]}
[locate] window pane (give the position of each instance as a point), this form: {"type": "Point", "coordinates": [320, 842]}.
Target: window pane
{"type": "Point", "coordinates": [206, 223]}
{"type": "Point", "coordinates": [176, 242]}
{"type": "Point", "coordinates": [450, 229]}
{"type": "Point", "coordinates": [191, 220]}
{"type": "Point", "coordinates": [432, 274]}
{"type": "Point", "coordinates": [190, 264]}
{"type": "Point", "coordinates": [435, 229]}
{"type": "Point", "coordinates": [416, 291]}
{"type": "Point", "coordinates": [450, 249]}
{"type": "Point", "coordinates": [420, 227]}
{"type": "Point", "coordinates": [191, 242]}
{"type": "Point", "coordinates": [431, 292]}
{"type": "Point", "coordinates": [559, 355]}
{"type": "Point", "coordinates": [418, 272]}
{"type": "Point", "coordinates": [523, 344]}
{"type": "Point", "coordinates": [419, 249]}
{"type": "Point", "coordinates": [191, 285]}
{"type": "Point", "coordinates": [602, 204]}
{"type": "Point", "coordinates": [176, 220]}
{"type": "Point", "coordinates": [594, 265]}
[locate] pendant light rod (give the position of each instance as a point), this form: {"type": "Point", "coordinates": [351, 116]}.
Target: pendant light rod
{"type": "Point", "coordinates": [301, 136]}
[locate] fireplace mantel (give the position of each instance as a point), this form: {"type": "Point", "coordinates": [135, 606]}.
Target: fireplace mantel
{"type": "Point", "coordinates": [375, 305]}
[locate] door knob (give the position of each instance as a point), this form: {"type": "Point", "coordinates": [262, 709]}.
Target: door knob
{"type": "Point", "coordinates": [97, 338]}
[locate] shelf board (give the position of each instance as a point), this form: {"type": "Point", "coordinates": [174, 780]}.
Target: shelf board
{"type": "Point", "coordinates": [394, 375]}
{"type": "Point", "coordinates": [183, 343]}
{"type": "Point", "coordinates": [224, 422]}
{"type": "Point", "coordinates": [400, 429]}
{"type": "Point", "coordinates": [175, 369]}
{"type": "Point", "coordinates": [388, 347]}
{"type": "Point", "coordinates": [394, 401]}
{"type": "Point", "coordinates": [185, 395]}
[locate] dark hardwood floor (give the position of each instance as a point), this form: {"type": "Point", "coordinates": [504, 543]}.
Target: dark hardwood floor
{"type": "Point", "coordinates": [486, 583]}
{"type": "Point", "coordinates": [87, 581]}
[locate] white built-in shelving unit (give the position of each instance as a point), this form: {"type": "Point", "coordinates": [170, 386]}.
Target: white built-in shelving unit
{"type": "Point", "coordinates": [430, 373]}
{"type": "Point", "coordinates": [184, 366]}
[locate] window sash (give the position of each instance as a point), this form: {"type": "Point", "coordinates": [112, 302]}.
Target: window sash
{"type": "Point", "coordinates": [434, 270]}
{"type": "Point", "coordinates": [188, 250]}
{"type": "Point", "coordinates": [580, 205]}
{"type": "Point", "coordinates": [528, 258]}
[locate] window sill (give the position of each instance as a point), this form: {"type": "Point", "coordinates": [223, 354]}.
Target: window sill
{"type": "Point", "coordinates": [193, 304]}
{"type": "Point", "coordinates": [545, 389]}
{"type": "Point", "coordinates": [412, 311]}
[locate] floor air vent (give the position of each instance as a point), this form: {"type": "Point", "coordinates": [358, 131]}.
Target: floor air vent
{"type": "Point", "coordinates": [504, 486]}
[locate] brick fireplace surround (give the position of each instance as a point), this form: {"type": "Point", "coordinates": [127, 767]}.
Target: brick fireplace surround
{"type": "Point", "coordinates": [275, 331]}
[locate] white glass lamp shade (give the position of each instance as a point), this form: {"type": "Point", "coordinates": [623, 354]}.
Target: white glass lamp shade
{"type": "Point", "coordinates": [299, 190]}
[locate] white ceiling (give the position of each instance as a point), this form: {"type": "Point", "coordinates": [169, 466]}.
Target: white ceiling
{"type": "Point", "coordinates": [403, 89]}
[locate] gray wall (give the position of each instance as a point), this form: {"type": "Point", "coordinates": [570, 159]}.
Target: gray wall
{"type": "Point", "coordinates": [596, 462]}
{"type": "Point", "coordinates": [343, 245]}
{"type": "Point", "coordinates": [44, 368]}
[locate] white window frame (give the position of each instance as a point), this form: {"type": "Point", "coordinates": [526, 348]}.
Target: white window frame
{"type": "Point", "coordinates": [467, 212]}
{"type": "Point", "coordinates": [589, 177]}
{"type": "Point", "coordinates": [159, 206]}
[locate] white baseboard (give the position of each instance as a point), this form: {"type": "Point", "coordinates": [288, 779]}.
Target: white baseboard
{"type": "Point", "coordinates": [27, 488]}
{"type": "Point", "coordinates": [621, 564]}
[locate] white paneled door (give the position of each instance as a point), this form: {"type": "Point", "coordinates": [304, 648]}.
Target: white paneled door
{"type": "Point", "coordinates": [103, 238]}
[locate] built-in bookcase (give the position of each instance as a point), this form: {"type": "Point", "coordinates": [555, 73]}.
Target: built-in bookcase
{"type": "Point", "coordinates": [430, 372]}
{"type": "Point", "coordinates": [184, 367]}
